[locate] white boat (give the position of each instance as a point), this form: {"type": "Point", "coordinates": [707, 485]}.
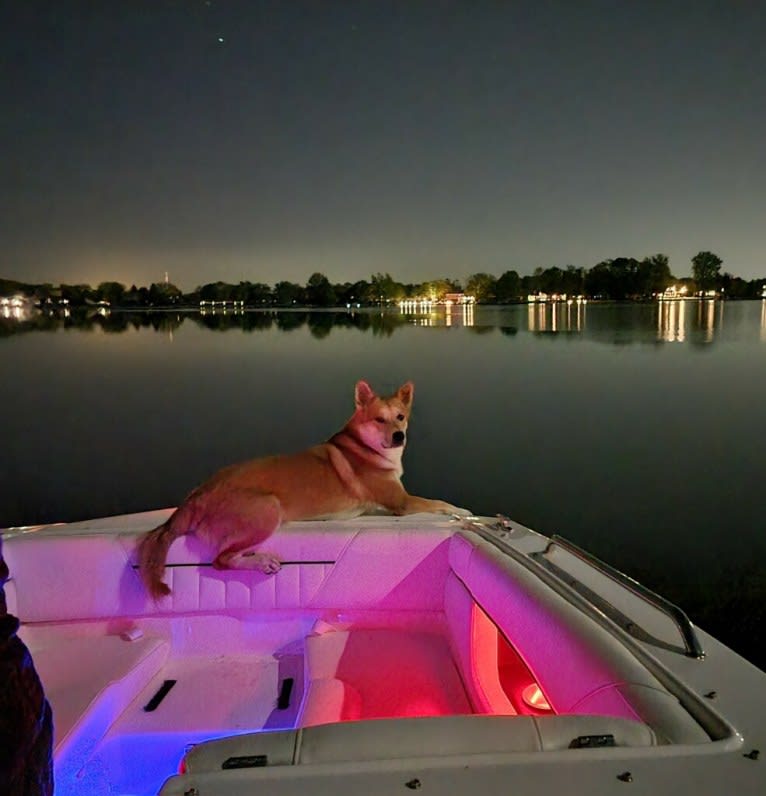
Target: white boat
{"type": "Point", "coordinates": [388, 654]}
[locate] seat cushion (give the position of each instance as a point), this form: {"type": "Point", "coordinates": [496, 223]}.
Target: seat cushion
{"type": "Point", "coordinates": [396, 673]}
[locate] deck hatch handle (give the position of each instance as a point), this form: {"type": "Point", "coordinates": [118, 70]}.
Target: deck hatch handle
{"type": "Point", "coordinates": [246, 761]}
{"type": "Point", "coordinates": [160, 694]}
{"type": "Point", "coordinates": [593, 741]}
{"type": "Point", "coordinates": [283, 701]}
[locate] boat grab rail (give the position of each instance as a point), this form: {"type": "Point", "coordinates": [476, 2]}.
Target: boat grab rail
{"type": "Point", "coordinates": [692, 646]}
{"type": "Point", "coordinates": [499, 533]}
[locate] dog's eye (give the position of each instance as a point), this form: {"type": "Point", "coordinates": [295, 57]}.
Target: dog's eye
{"type": "Point", "coordinates": [400, 417]}
{"type": "Point", "coordinates": [379, 420]}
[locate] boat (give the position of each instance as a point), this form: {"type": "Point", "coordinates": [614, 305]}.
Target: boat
{"type": "Point", "coordinates": [453, 655]}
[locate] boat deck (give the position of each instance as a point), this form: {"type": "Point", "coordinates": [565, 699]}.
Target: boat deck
{"type": "Point", "coordinates": [371, 628]}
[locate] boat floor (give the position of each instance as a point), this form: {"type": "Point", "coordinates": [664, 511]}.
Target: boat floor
{"type": "Point", "coordinates": [225, 694]}
{"type": "Point", "coordinates": [195, 697]}
{"type": "Point", "coordinates": [210, 698]}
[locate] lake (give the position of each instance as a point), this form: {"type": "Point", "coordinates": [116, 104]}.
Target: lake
{"type": "Point", "coordinates": [635, 430]}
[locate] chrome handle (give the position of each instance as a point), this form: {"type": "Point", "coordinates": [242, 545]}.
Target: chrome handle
{"type": "Point", "coordinates": [692, 645]}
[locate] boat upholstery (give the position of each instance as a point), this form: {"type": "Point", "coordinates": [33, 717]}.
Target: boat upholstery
{"type": "Point", "coordinates": [329, 699]}
{"type": "Point", "coordinates": [383, 672]}
{"type": "Point", "coordinates": [579, 665]}
{"type": "Point", "coordinates": [392, 739]}
{"type": "Point", "coordinates": [335, 565]}
{"type": "Point", "coordinates": [388, 570]}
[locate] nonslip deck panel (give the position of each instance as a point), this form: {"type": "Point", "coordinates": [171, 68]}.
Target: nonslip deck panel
{"type": "Point", "coordinates": [91, 678]}
{"type": "Point", "coordinates": [226, 693]}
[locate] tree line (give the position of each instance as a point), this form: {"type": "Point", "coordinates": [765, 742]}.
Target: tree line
{"type": "Point", "coordinates": [617, 279]}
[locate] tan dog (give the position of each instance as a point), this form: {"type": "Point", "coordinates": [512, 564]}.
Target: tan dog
{"type": "Point", "coordinates": [356, 471]}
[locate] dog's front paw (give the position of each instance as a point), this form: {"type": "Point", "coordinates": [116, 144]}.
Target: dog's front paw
{"type": "Point", "coordinates": [458, 512]}
{"type": "Point", "coordinates": [465, 512]}
{"type": "Point", "coordinates": [270, 564]}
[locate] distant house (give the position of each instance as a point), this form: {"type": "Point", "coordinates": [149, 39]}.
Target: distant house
{"type": "Point", "coordinates": [673, 292]}
{"type": "Point", "coordinates": [227, 304]}
{"type": "Point", "coordinates": [541, 297]}
{"type": "Point", "coordinates": [222, 306]}
{"type": "Point", "coordinates": [14, 306]}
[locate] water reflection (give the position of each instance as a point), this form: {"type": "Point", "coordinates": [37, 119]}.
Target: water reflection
{"type": "Point", "coordinates": [671, 320]}
{"type": "Point", "coordinates": [687, 321]}
{"type": "Point", "coordinates": [319, 323]}
{"type": "Point", "coordinates": [423, 312]}
{"type": "Point", "coordinates": [706, 318]}
{"type": "Point", "coordinates": [556, 317]}
{"type": "Point", "coordinates": [460, 315]}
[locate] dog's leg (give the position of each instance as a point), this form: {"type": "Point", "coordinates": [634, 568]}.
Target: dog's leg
{"type": "Point", "coordinates": [249, 520]}
{"type": "Point", "coordinates": [413, 504]}
{"type": "Point", "coordinates": [396, 499]}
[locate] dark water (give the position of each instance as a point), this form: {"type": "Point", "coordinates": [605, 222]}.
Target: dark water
{"type": "Point", "coordinates": [637, 431]}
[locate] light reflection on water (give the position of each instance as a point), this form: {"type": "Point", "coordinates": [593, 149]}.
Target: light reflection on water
{"type": "Point", "coordinates": [635, 430]}
{"type": "Point", "coordinates": [699, 322]}
{"type": "Point", "coordinates": [671, 321]}
{"type": "Point", "coordinates": [560, 316]}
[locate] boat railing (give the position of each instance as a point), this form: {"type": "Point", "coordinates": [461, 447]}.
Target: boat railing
{"type": "Point", "coordinates": [502, 531]}
{"type": "Point", "coordinates": [692, 646]}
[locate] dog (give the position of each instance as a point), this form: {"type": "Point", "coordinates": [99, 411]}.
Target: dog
{"type": "Point", "coordinates": [358, 470]}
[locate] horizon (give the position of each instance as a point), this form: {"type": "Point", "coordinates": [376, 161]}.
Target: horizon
{"type": "Point", "coordinates": [259, 141]}
{"type": "Point", "coordinates": [458, 280]}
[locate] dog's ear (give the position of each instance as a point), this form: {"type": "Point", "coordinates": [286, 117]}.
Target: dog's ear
{"type": "Point", "coordinates": [406, 393]}
{"type": "Point", "coordinates": [363, 394]}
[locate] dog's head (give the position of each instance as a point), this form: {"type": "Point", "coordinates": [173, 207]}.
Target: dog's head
{"type": "Point", "coordinates": [382, 422]}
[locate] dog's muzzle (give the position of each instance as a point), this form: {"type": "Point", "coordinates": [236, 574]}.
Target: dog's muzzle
{"type": "Point", "coordinates": [397, 438]}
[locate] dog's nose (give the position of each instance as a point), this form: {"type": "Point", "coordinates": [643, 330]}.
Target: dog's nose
{"type": "Point", "coordinates": [398, 438]}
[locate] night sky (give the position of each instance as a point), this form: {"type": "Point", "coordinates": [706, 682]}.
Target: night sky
{"type": "Point", "coordinates": [268, 140]}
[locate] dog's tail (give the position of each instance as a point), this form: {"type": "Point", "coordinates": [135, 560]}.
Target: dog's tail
{"type": "Point", "coordinates": [152, 554]}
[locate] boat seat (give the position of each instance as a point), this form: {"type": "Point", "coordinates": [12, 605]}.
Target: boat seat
{"type": "Point", "coordinates": [460, 735]}
{"type": "Point", "coordinates": [329, 699]}
{"type": "Point", "coordinates": [353, 565]}
{"type": "Point", "coordinates": [580, 667]}
{"type": "Point", "coordinates": [413, 738]}
{"type": "Point", "coordinates": [90, 680]}
{"type": "Point", "coordinates": [379, 673]}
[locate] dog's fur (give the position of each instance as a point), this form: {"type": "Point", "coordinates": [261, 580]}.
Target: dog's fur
{"type": "Point", "coordinates": [357, 470]}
